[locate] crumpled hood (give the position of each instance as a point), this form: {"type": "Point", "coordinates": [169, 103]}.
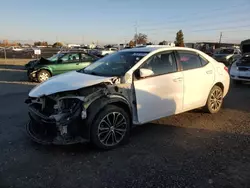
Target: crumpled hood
{"type": "Point", "coordinates": [67, 82]}
{"type": "Point", "coordinates": [41, 61]}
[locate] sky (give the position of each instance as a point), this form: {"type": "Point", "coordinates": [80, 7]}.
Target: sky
{"type": "Point", "coordinates": [115, 21]}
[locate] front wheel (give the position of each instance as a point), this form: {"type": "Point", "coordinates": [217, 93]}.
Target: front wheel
{"type": "Point", "coordinates": [43, 75]}
{"type": "Point", "coordinates": [110, 128]}
{"type": "Point", "coordinates": [215, 100]}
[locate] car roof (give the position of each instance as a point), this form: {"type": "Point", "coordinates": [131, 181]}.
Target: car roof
{"type": "Point", "coordinates": [163, 48]}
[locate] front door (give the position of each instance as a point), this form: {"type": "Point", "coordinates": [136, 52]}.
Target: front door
{"type": "Point", "coordinates": [198, 76]}
{"type": "Point", "coordinates": [159, 95]}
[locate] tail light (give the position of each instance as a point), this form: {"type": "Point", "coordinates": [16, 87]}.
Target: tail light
{"type": "Point", "coordinates": [226, 69]}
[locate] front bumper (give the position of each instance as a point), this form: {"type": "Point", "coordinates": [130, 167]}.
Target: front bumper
{"type": "Point", "coordinates": [236, 74]}
{"type": "Point", "coordinates": [62, 129]}
{"type": "Point", "coordinates": [32, 74]}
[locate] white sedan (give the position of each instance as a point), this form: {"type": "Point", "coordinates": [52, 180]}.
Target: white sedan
{"type": "Point", "coordinates": [103, 101]}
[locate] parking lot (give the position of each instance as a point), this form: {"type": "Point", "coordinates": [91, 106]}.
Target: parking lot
{"type": "Point", "coordinates": [193, 149]}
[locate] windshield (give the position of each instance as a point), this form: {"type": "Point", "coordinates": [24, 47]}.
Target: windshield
{"type": "Point", "coordinates": [116, 64]}
{"type": "Point", "coordinates": [55, 57]}
{"type": "Point", "coordinates": [227, 51]}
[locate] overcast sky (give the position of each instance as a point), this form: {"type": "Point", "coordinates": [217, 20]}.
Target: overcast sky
{"type": "Point", "coordinates": [114, 21]}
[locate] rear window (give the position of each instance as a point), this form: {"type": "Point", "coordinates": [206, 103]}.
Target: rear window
{"type": "Point", "coordinates": [227, 51]}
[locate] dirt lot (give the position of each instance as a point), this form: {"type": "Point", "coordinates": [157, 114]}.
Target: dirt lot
{"type": "Point", "coordinates": [188, 150]}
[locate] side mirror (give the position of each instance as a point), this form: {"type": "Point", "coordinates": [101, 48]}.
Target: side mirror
{"type": "Point", "coordinates": [145, 73]}
{"type": "Point", "coordinates": [59, 61]}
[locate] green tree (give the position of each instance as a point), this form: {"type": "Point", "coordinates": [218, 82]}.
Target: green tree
{"type": "Point", "coordinates": [179, 40]}
{"type": "Point", "coordinates": [57, 44]}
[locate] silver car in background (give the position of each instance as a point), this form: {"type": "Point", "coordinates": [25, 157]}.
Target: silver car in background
{"type": "Point", "coordinates": [227, 55]}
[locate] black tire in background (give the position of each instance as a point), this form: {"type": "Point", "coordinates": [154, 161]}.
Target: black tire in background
{"type": "Point", "coordinates": [43, 75]}
{"type": "Point", "coordinates": [215, 100]}
{"type": "Point", "coordinates": [103, 135]}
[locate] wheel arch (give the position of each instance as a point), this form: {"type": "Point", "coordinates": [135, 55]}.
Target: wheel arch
{"type": "Point", "coordinates": [45, 68]}
{"type": "Point", "coordinates": [219, 84]}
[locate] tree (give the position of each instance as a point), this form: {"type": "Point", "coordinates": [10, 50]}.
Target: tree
{"type": "Point", "coordinates": [131, 43]}
{"type": "Point", "coordinates": [179, 41]}
{"type": "Point", "coordinates": [141, 38]}
{"type": "Point", "coordinates": [57, 44]}
{"type": "Point", "coordinates": [163, 43]}
{"type": "Point", "coordinates": [39, 43]}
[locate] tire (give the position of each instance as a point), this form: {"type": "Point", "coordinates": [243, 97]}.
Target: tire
{"type": "Point", "coordinates": [43, 75]}
{"type": "Point", "coordinates": [105, 136]}
{"type": "Point", "coordinates": [215, 100]}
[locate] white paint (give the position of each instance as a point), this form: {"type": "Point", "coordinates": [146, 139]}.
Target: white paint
{"type": "Point", "coordinates": [156, 96]}
{"type": "Point", "coordinates": [66, 82]}
{"type": "Point", "coordinates": [197, 85]}
{"type": "Point", "coordinates": [159, 96]}
{"type": "Point", "coordinates": [234, 71]}
{"type": "Point", "coordinates": [146, 72]}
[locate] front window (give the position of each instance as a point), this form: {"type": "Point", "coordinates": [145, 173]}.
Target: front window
{"type": "Point", "coordinates": [116, 64]}
{"type": "Point", "coordinates": [55, 57]}
{"type": "Point", "coordinates": [227, 51]}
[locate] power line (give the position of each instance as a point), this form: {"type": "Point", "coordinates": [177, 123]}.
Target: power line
{"type": "Point", "coordinates": [221, 10]}
{"type": "Point", "coordinates": [198, 25]}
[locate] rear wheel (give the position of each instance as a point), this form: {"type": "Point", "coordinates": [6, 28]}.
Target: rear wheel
{"type": "Point", "coordinates": [110, 128]}
{"type": "Point", "coordinates": [43, 75]}
{"type": "Point", "coordinates": [215, 100]}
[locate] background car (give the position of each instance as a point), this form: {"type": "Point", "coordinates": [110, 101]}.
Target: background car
{"type": "Point", "coordinates": [42, 69]}
{"type": "Point", "coordinates": [102, 102]}
{"type": "Point", "coordinates": [240, 69]}
{"type": "Point", "coordinates": [227, 55]}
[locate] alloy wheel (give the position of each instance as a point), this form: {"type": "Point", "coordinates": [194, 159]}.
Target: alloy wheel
{"type": "Point", "coordinates": [216, 99]}
{"type": "Point", "coordinates": [112, 128]}
{"type": "Point", "coordinates": [44, 76]}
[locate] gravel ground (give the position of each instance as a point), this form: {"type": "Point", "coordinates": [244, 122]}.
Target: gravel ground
{"type": "Point", "coordinates": [193, 149]}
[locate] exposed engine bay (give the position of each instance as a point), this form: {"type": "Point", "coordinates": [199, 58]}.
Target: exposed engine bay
{"type": "Point", "coordinates": [62, 118]}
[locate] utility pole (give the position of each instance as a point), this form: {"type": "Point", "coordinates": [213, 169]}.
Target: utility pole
{"type": "Point", "coordinates": [220, 37]}
{"type": "Point", "coordinates": [136, 33]}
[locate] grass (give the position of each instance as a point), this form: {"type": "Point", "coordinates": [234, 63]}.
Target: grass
{"type": "Point", "coordinates": [12, 61]}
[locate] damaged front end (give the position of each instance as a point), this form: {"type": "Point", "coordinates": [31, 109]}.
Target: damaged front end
{"type": "Point", "coordinates": [56, 119]}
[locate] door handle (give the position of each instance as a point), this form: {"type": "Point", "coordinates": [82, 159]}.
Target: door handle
{"type": "Point", "coordinates": [77, 64]}
{"type": "Point", "coordinates": [177, 79]}
{"type": "Point", "coordinates": [209, 72]}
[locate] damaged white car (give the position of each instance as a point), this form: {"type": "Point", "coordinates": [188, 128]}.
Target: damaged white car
{"type": "Point", "coordinates": [102, 102]}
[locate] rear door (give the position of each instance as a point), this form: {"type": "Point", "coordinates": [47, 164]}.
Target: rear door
{"type": "Point", "coordinates": [198, 76]}
{"type": "Point", "coordinates": [85, 60]}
